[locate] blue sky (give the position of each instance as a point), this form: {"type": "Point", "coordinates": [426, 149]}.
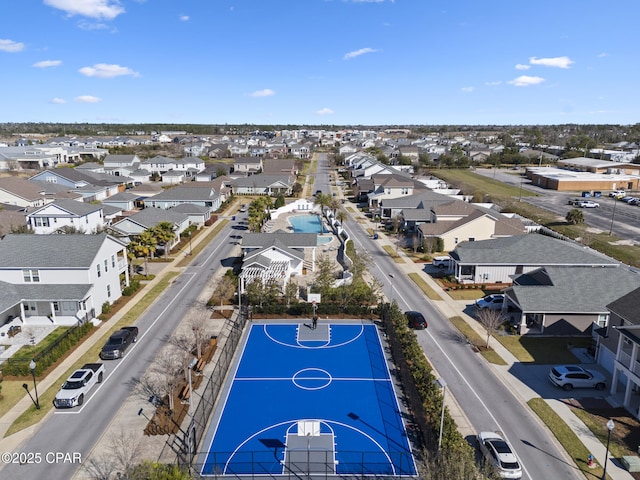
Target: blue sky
{"type": "Point", "coordinates": [318, 62]}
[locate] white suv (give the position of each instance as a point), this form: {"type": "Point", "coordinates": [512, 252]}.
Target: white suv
{"type": "Point", "coordinates": [441, 262]}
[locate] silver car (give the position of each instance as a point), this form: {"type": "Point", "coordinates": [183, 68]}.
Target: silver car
{"type": "Point", "coordinates": [568, 377]}
{"type": "Point", "coordinates": [498, 453]}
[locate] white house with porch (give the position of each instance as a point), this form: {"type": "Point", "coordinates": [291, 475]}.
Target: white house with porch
{"type": "Point", "coordinates": [59, 279]}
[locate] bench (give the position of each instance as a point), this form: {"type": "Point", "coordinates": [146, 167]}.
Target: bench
{"type": "Point", "coordinates": [185, 393]}
{"type": "Point", "coordinates": [200, 365]}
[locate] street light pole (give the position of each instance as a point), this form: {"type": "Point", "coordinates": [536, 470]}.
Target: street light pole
{"type": "Point", "coordinates": [32, 366]}
{"type": "Point", "coordinates": [393, 290]}
{"type": "Point", "coordinates": [610, 426]}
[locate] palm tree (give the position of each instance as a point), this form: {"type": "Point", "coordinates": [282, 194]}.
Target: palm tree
{"type": "Point", "coordinates": [341, 216]}
{"type": "Point", "coordinates": [323, 200]}
{"type": "Point", "coordinates": [164, 234]}
{"type": "Point", "coordinates": [144, 245]}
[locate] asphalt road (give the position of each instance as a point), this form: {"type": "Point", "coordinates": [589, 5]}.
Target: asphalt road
{"type": "Point", "coordinates": [77, 430]}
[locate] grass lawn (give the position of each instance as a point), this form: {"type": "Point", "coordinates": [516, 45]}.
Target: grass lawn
{"type": "Point", "coordinates": [392, 253]}
{"type": "Point", "coordinates": [424, 286]}
{"type": "Point", "coordinates": [472, 182]}
{"type": "Point", "coordinates": [32, 416]}
{"type": "Point", "coordinates": [567, 438]}
{"type": "Point", "coordinates": [542, 350]}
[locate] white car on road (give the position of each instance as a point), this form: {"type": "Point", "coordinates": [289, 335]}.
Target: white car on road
{"type": "Point", "coordinates": [498, 453]}
{"type": "Point", "coordinates": [587, 204]}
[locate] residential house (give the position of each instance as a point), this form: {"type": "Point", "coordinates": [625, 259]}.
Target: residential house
{"type": "Point", "coordinates": [60, 215]}
{"type": "Point", "coordinates": [59, 279]}
{"type": "Point", "coordinates": [202, 195]}
{"type": "Point", "coordinates": [277, 256]}
{"type": "Point", "coordinates": [499, 260]}
{"type": "Point", "coordinates": [567, 300]}
{"type": "Point", "coordinates": [121, 165]}
{"type": "Point", "coordinates": [125, 201]}
{"type": "Point", "coordinates": [279, 166]}
{"type": "Point", "coordinates": [159, 164]}
{"type": "Point", "coordinates": [198, 215]}
{"type": "Point", "coordinates": [21, 192]}
{"type": "Point", "coordinates": [248, 165]}
{"type": "Point", "coordinates": [457, 221]}
{"type": "Point", "coordinates": [618, 349]}
{"type": "Point", "coordinates": [92, 186]}
{"type": "Point", "coordinates": [149, 218]}
{"type": "Point", "coordinates": [262, 184]}
{"type": "Point", "coordinates": [391, 185]}
{"type": "Point", "coordinates": [414, 209]}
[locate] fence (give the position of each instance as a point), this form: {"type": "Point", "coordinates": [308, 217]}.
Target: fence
{"type": "Point", "coordinates": [308, 463]}
{"type": "Point", "coordinates": [192, 438]}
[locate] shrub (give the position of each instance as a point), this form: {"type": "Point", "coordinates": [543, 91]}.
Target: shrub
{"type": "Point", "coordinates": [106, 308]}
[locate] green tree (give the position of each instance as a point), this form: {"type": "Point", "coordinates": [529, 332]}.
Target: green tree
{"type": "Point", "coordinates": [323, 200]}
{"type": "Point", "coordinates": [254, 291]}
{"type": "Point", "coordinates": [291, 292]}
{"type": "Point", "coordinates": [575, 216]}
{"type": "Point", "coordinates": [144, 245]}
{"type": "Point", "coordinates": [279, 201]}
{"type": "Point", "coordinates": [324, 275]}
{"type": "Point", "coordinates": [164, 234]}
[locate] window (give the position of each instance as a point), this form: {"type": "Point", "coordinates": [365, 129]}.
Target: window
{"type": "Point", "coordinates": [603, 319]}
{"type": "Point", "coordinates": [109, 291]}
{"type": "Point", "coordinates": [98, 269]}
{"type": "Point", "coordinates": [31, 276]}
{"type": "Point", "coordinates": [106, 266]}
{"type": "Point", "coordinates": [113, 261]}
{"type": "Point", "coordinates": [56, 307]}
{"type": "Point", "coordinates": [455, 240]}
{"type": "Point", "coordinates": [41, 221]}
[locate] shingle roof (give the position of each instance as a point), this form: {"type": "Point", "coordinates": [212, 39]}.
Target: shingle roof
{"type": "Point", "coordinates": [50, 251]}
{"type": "Point", "coordinates": [150, 217]}
{"type": "Point", "coordinates": [79, 209]}
{"type": "Point", "coordinates": [531, 249]}
{"type": "Point", "coordinates": [573, 290]}
{"type": "Point", "coordinates": [22, 188]}
{"type": "Point", "coordinates": [627, 306]}
{"type": "Point", "coordinates": [184, 194]}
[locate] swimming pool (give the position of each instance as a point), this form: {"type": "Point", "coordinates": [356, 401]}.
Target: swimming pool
{"type": "Point", "coordinates": [307, 224]}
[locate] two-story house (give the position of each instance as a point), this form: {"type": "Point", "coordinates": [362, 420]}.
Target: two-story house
{"type": "Point", "coordinates": [248, 165]}
{"type": "Point", "coordinates": [618, 349]}
{"type": "Point", "coordinates": [57, 216]}
{"type": "Point", "coordinates": [204, 196]}
{"type": "Point", "coordinates": [60, 279]}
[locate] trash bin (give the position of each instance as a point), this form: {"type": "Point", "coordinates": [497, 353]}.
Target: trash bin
{"type": "Point", "coordinates": [375, 236]}
{"type": "Point", "coordinates": [213, 341]}
{"type": "Point", "coordinates": [233, 218]}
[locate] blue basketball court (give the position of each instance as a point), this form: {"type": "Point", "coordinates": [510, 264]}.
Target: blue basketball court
{"type": "Point", "coordinates": [308, 401]}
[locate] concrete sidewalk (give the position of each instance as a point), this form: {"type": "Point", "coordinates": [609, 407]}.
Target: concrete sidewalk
{"type": "Point", "coordinates": [449, 308]}
{"type": "Point", "coordinates": [13, 442]}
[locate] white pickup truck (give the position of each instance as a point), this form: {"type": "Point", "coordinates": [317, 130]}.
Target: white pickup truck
{"type": "Point", "coordinates": [78, 385]}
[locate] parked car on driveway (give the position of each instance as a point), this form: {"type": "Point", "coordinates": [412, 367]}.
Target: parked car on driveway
{"type": "Point", "coordinates": [443, 261]}
{"type": "Point", "coordinates": [617, 194]}
{"type": "Point", "coordinates": [415, 320]}
{"type": "Point", "coordinates": [568, 377]}
{"type": "Point", "coordinates": [587, 204]}
{"type": "Point", "coordinates": [498, 453]}
{"type": "Point", "coordinates": [492, 302]}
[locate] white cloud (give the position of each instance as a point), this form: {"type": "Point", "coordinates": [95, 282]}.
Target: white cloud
{"type": "Point", "coordinates": [468, 89]}
{"type": "Point", "coordinates": [10, 46]}
{"type": "Point", "coordinates": [520, 66]}
{"type": "Point", "coordinates": [603, 54]}
{"type": "Point", "coordinates": [557, 62]}
{"type": "Point", "coordinates": [266, 92]}
{"type": "Point", "coordinates": [525, 81]}
{"type": "Point", "coordinates": [107, 9]}
{"type": "Point", "coordinates": [104, 70]}
{"type": "Point", "coordinates": [58, 101]}
{"type": "Point", "coordinates": [324, 111]}
{"type": "Point", "coordinates": [89, 26]}
{"type": "Point", "coordinates": [357, 53]}
{"type": "Point", "coordinates": [87, 99]}
{"type": "Point", "coordinates": [184, 18]}
{"type": "Point", "coordinates": [493, 84]}
{"type": "Point", "coordinates": [47, 64]}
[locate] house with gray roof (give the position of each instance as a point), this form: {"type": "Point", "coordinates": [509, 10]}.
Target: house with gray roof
{"type": "Point", "coordinates": [198, 215]}
{"type": "Point", "coordinates": [60, 215]}
{"type": "Point", "coordinates": [41, 287]}
{"type": "Point", "coordinates": [124, 201]}
{"type": "Point", "coordinates": [566, 300]}
{"type": "Point", "coordinates": [200, 194]}
{"type": "Point", "coordinates": [277, 256]}
{"type": "Point", "coordinates": [618, 349]}
{"type": "Point", "coordinates": [263, 184]}
{"type": "Point", "coordinates": [137, 223]}
{"type": "Point", "coordinates": [498, 260]}
{"type": "Point", "coordinates": [21, 192]}
{"type": "Point", "coordinates": [456, 221]}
